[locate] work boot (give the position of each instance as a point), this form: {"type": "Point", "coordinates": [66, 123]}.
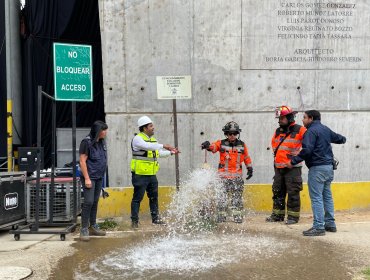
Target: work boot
{"type": "Point", "coordinates": [238, 219]}
{"type": "Point", "coordinates": [134, 224]}
{"type": "Point", "coordinates": [274, 218]}
{"type": "Point", "coordinates": [84, 234]}
{"type": "Point", "coordinates": [221, 219]}
{"type": "Point", "coordinates": [314, 232]}
{"type": "Point", "coordinates": [291, 221]}
{"type": "Point", "coordinates": [96, 231]}
{"type": "Point", "coordinates": [159, 221]}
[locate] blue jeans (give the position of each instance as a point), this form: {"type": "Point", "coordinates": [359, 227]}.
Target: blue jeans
{"type": "Point", "coordinates": [319, 180]}
{"type": "Point", "coordinates": [91, 199]}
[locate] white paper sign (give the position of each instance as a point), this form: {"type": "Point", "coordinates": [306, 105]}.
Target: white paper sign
{"type": "Point", "coordinates": [174, 87]}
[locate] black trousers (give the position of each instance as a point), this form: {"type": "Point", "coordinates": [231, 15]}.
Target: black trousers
{"type": "Point", "coordinates": [287, 183]}
{"type": "Point", "coordinates": [142, 183]}
{"type": "Point", "coordinates": [91, 200]}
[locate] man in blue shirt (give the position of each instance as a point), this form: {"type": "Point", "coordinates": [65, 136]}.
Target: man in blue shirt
{"type": "Point", "coordinates": [318, 156]}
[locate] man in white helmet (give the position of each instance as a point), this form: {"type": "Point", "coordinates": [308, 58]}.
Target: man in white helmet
{"type": "Point", "coordinates": [144, 167]}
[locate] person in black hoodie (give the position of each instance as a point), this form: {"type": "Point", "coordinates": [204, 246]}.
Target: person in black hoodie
{"type": "Point", "coordinates": [93, 163]}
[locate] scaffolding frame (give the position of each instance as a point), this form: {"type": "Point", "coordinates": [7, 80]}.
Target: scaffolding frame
{"type": "Point", "coordinates": [34, 228]}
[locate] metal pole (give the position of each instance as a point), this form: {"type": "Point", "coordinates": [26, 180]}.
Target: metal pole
{"type": "Point", "coordinates": [9, 125]}
{"type": "Point", "coordinates": [52, 184]}
{"type": "Point", "coordinates": [176, 143]}
{"type": "Point", "coordinates": [53, 134]}
{"type": "Point", "coordinates": [13, 77]}
{"type": "Point", "coordinates": [8, 85]}
{"type": "Point", "coordinates": [74, 161]}
{"type": "Point", "coordinates": [38, 185]}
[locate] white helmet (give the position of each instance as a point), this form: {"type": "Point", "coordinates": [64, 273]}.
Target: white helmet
{"type": "Point", "coordinates": [144, 120]}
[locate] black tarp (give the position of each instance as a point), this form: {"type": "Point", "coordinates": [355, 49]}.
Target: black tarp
{"type": "Point", "coordinates": [3, 131]}
{"type": "Point", "coordinates": [49, 21]}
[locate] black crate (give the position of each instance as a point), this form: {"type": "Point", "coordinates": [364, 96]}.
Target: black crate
{"type": "Point", "coordinates": [12, 198]}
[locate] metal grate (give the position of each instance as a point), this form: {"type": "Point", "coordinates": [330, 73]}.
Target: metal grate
{"type": "Point", "coordinates": [63, 200]}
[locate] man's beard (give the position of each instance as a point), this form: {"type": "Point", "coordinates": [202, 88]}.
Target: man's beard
{"type": "Point", "coordinates": [284, 126]}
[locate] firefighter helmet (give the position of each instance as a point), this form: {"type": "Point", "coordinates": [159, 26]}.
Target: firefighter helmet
{"type": "Point", "coordinates": [231, 127]}
{"type": "Point", "coordinates": [284, 111]}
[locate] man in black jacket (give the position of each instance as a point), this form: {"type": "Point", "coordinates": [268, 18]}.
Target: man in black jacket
{"type": "Point", "coordinates": [318, 156]}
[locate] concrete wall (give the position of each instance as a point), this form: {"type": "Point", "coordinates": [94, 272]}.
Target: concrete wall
{"type": "Point", "coordinates": [145, 39]}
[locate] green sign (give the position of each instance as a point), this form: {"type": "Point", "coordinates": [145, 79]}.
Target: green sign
{"type": "Point", "coordinates": [73, 72]}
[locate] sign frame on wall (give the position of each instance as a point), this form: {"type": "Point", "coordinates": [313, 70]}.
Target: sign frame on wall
{"type": "Point", "coordinates": [73, 72]}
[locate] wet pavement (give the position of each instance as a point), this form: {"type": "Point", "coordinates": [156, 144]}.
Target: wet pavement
{"type": "Point", "coordinates": [193, 246]}
{"type": "Point", "coordinates": [225, 254]}
{"type": "Point", "coordinates": [251, 250]}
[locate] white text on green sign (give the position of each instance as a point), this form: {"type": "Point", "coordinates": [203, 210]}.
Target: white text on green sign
{"type": "Point", "coordinates": [73, 72]}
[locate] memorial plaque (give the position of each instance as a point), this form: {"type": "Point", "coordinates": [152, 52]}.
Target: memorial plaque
{"type": "Point", "coordinates": [305, 34]}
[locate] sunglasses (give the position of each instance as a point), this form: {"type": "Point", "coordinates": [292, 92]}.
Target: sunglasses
{"type": "Point", "coordinates": [233, 133]}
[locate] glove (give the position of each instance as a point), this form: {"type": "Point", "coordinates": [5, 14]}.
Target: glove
{"type": "Point", "coordinates": [205, 145]}
{"type": "Point", "coordinates": [104, 193]}
{"type": "Point", "coordinates": [249, 173]}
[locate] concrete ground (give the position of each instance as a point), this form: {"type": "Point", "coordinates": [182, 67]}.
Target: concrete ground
{"type": "Point", "coordinates": [41, 253]}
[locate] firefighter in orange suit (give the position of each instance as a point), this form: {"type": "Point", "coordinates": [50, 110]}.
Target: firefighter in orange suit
{"type": "Point", "coordinates": [233, 152]}
{"type": "Point", "coordinates": [286, 142]}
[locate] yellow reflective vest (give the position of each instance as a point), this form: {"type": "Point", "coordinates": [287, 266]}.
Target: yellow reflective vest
{"type": "Point", "coordinates": [145, 162]}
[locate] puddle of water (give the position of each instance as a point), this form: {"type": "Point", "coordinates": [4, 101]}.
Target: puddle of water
{"type": "Point", "coordinates": [203, 256]}
{"type": "Point", "coordinates": [188, 249]}
{"type": "Point", "coordinates": [188, 255]}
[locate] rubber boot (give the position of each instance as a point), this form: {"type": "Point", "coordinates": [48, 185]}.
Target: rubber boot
{"type": "Point", "coordinates": [291, 221]}
{"type": "Point", "coordinates": [238, 219]}
{"type": "Point", "coordinates": [221, 218]}
{"type": "Point", "coordinates": [274, 218]}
